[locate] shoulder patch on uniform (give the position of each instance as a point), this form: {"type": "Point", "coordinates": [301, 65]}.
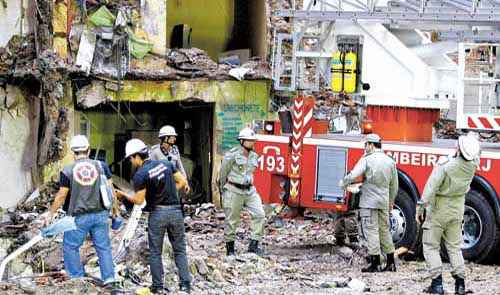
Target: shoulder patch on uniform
{"type": "Point", "coordinates": [443, 160]}
{"type": "Point", "coordinates": [230, 154]}
{"type": "Point", "coordinates": [234, 150]}
{"type": "Point", "coordinates": [175, 150]}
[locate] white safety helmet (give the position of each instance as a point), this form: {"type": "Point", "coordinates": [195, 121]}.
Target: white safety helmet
{"type": "Point", "coordinates": [134, 146]}
{"type": "Point", "coordinates": [469, 146]}
{"type": "Point", "coordinates": [373, 138]}
{"type": "Point", "coordinates": [247, 134]}
{"type": "Point", "coordinates": [79, 143]}
{"type": "Point", "coordinates": [167, 130]}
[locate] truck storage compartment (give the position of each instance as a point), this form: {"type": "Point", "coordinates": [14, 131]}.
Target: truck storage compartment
{"type": "Point", "coordinates": [331, 168]}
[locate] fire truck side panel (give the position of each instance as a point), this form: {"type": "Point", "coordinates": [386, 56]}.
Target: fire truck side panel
{"type": "Point", "coordinates": [272, 170]}
{"type": "Point", "coordinates": [489, 169]}
{"type": "Point", "coordinates": [310, 170]}
{"type": "Point", "coordinates": [309, 183]}
{"type": "Point", "coordinates": [414, 160]}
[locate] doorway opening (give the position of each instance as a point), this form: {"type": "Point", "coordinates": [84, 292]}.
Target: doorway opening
{"type": "Point", "coordinates": [110, 126]}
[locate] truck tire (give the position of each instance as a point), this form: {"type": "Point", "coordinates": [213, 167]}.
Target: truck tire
{"type": "Point", "coordinates": [479, 228]}
{"type": "Point", "coordinates": [403, 223]}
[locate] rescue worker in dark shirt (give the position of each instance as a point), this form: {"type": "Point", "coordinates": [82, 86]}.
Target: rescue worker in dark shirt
{"type": "Point", "coordinates": [81, 181]}
{"type": "Point", "coordinates": [157, 182]}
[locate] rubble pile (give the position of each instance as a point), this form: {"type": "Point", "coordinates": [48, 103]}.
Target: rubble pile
{"type": "Point", "coordinates": [446, 129]}
{"type": "Point", "coordinates": [94, 49]}
{"type": "Point", "coordinates": [300, 257]}
{"type": "Point", "coordinates": [193, 63]}
{"type": "Point", "coordinates": [17, 57]}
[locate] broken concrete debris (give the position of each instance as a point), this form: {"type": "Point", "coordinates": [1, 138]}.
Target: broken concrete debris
{"type": "Point", "coordinates": [301, 257]}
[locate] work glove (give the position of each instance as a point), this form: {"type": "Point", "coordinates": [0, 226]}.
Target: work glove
{"type": "Point", "coordinates": [47, 218]}
{"type": "Point", "coordinates": [341, 183]}
{"type": "Point", "coordinates": [420, 213]}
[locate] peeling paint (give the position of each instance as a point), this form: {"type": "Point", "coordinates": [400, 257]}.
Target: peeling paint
{"type": "Point", "coordinates": [15, 181]}
{"type": "Point", "coordinates": [154, 22]}
{"type": "Point", "coordinates": [61, 46]}
{"type": "Point", "coordinates": [168, 91]}
{"type": "Point", "coordinates": [60, 20]}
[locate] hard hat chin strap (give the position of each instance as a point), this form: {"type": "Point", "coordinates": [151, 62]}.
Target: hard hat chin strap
{"type": "Point", "coordinates": [248, 149]}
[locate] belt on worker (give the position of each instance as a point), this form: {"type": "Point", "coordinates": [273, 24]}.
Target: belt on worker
{"type": "Point", "coordinates": [169, 206]}
{"type": "Point", "coordinates": [241, 186]}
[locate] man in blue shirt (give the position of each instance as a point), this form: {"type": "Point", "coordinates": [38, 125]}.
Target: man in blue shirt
{"type": "Point", "coordinates": [157, 182]}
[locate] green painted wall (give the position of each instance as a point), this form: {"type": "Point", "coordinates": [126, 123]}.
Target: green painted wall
{"type": "Point", "coordinates": [237, 103]}
{"type": "Point", "coordinates": [211, 21]}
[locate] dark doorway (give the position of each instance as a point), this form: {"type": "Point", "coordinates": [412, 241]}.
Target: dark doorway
{"type": "Point", "coordinates": [193, 121]}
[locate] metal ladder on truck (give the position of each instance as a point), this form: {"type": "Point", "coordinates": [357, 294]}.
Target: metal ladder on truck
{"type": "Point", "coordinates": [300, 61]}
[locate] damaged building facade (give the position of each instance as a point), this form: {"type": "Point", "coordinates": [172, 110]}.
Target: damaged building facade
{"type": "Point", "coordinates": [109, 71]}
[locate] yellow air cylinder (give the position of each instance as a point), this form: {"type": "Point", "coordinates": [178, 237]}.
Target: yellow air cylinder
{"type": "Point", "coordinates": [337, 71]}
{"type": "Point", "coordinates": [350, 72]}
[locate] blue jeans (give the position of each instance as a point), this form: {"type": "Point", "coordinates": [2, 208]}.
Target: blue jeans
{"type": "Point", "coordinates": [167, 220]}
{"type": "Point", "coordinates": [97, 225]}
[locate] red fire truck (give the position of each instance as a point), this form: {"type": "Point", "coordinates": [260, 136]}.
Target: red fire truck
{"type": "Point", "coordinates": [302, 170]}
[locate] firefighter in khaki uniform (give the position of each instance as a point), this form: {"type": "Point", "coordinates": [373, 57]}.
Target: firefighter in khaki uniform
{"type": "Point", "coordinates": [378, 192]}
{"type": "Point", "coordinates": [441, 210]}
{"type": "Point", "coordinates": [238, 191]}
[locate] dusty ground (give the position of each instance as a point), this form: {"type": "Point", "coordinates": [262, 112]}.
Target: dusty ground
{"type": "Point", "coordinates": [301, 259]}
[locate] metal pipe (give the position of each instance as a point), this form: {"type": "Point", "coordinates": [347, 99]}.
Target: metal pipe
{"type": "Point", "coordinates": [404, 4]}
{"type": "Point", "coordinates": [434, 49]}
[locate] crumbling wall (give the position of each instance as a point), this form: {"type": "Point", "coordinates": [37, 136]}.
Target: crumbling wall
{"type": "Point", "coordinates": [29, 62]}
{"type": "Point", "coordinates": [55, 117]}
{"type": "Point", "coordinates": [15, 132]}
{"type": "Point", "coordinates": [211, 23]}
{"type": "Point", "coordinates": [13, 20]}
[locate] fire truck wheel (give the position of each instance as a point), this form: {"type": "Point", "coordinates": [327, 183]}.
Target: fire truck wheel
{"type": "Point", "coordinates": [479, 228]}
{"type": "Point", "coordinates": [403, 224]}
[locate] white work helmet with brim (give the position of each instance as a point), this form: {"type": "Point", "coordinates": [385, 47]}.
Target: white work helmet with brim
{"type": "Point", "coordinates": [79, 143]}
{"type": "Point", "coordinates": [373, 138]}
{"type": "Point", "coordinates": [135, 146]}
{"type": "Point", "coordinates": [167, 130]}
{"type": "Point", "coordinates": [247, 134]}
{"type": "Point", "coordinates": [469, 146]}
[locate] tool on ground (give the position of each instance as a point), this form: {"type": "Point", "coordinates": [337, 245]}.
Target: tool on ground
{"type": "Point", "coordinates": [61, 225]}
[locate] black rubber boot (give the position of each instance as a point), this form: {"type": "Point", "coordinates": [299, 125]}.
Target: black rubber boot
{"type": "Point", "coordinates": [459, 285]}
{"type": "Point", "coordinates": [339, 241]}
{"type": "Point", "coordinates": [374, 264]}
{"type": "Point", "coordinates": [253, 247]}
{"type": "Point", "coordinates": [230, 248]}
{"type": "Point", "coordinates": [353, 239]}
{"type": "Point", "coordinates": [115, 288]}
{"type": "Point", "coordinates": [436, 286]}
{"type": "Point", "coordinates": [390, 265]}
{"type": "Point", "coordinates": [159, 291]}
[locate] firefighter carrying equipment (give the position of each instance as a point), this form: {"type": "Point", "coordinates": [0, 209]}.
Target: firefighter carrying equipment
{"type": "Point", "coordinates": [344, 75]}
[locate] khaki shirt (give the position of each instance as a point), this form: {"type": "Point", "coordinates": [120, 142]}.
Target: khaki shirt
{"type": "Point", "coordinates": [237, 168]}
{"type": "Point", "coordinates": [380, 185]}
{"type": "Point", "coordinates": [173, 156]}
{"type": "Point", "coordinates": [450, 178]}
